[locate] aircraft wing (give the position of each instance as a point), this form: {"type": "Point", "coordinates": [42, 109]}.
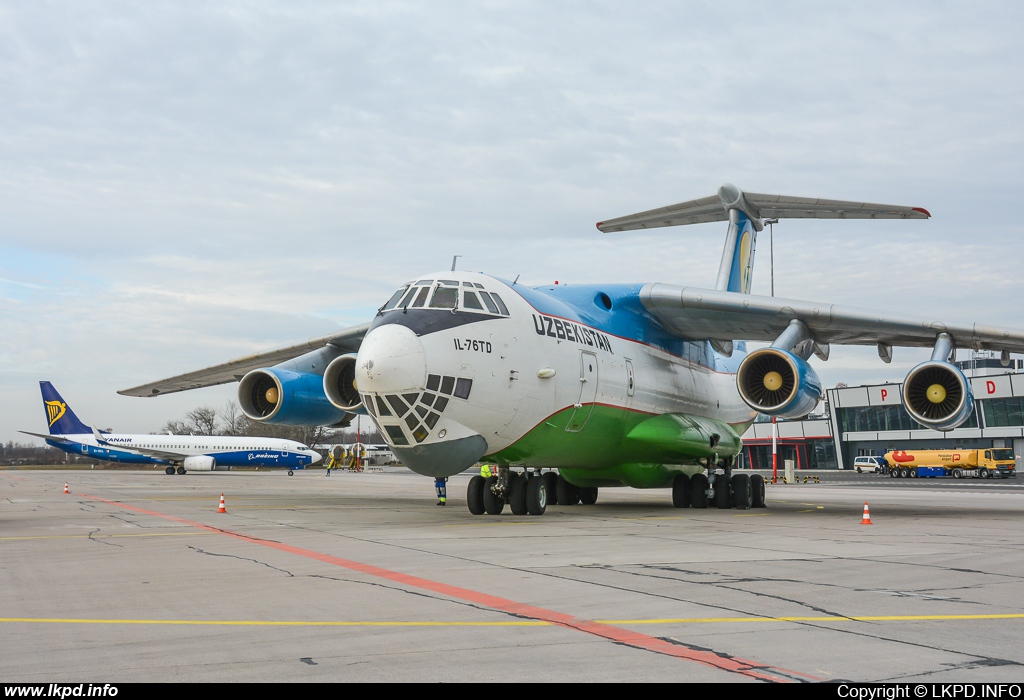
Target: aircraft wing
{"type": "Point", "coordinates": [695, 313]}
{"type": "Point", "coordinates": [347, 340]}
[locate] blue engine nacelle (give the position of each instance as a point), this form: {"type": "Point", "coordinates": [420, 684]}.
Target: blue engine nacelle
{"type": "Point", "coordinates": [937, 395]}
{"type": "Point", "coordinates": [778, 383]}
{"type": "Point", "coordinates": [286, 397]}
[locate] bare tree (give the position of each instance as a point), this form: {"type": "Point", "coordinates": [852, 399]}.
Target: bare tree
{"type": "Point", "coordinates": [203, 420]}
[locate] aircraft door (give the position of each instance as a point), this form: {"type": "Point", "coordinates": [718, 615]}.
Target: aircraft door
{"type": "Point", "coordinates": [588, 392]}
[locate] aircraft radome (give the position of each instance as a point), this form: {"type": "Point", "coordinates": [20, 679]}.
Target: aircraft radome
{"type": "Point", "coordinates": [646, 385]}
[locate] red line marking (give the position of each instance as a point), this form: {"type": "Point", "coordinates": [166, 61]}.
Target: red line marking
{"type": "Point", "coordinates": [637, 640]}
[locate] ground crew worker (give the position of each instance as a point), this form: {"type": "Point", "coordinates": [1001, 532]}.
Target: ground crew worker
{"type": "Point", "coordinates": [485, 470]}
{"type": "Point", "coordinates": [442, 490]}
{"type": "Point", "coordinates": [330, 463]}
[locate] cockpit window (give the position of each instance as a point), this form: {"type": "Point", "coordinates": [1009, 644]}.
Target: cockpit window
{"type": "Point", "coordinates": [471, 301]}
{"type": "Point", "coordinates": [490, 304]}
{"type": "Point", "coordinates": [408, 298]}
{"type": "Point", "coordinates": [444, 298]}
{"type": "Point", "coordinates": [425, 283]}
{"type": "Point", "coordinates": [500, 303]}
{"type": "Point", "coordinates": [453, 283]}
{"type": "Point", "coordinates": [394, 299]}
{"type": "Point", "coordinates": [421, 298]}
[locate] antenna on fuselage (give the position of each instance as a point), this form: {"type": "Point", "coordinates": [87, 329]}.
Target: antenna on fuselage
{"type": "Point", "coordinates": [516, 279]}
{"type": "Point", "coordinates": [454, 258]}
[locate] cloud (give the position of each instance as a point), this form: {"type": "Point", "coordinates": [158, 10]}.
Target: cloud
{"type": "Point", "coordinates": [181, 184]}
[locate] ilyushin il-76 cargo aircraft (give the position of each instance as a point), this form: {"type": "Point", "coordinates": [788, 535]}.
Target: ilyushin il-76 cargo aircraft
{"type": "Point", "coordinates": [642, 385]}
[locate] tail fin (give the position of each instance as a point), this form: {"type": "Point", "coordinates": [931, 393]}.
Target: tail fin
{"type": "Point", "coordinates": [746, 212]}
{"type": "Point", "coordinates": [59, 416]}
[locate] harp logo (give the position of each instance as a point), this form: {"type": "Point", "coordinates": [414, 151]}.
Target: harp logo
{"type": "Point", "coordinates": [54, 410]}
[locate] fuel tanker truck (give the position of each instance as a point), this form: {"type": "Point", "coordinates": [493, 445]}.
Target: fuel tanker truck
{"type": "Point", "coordinates": [959, 464]}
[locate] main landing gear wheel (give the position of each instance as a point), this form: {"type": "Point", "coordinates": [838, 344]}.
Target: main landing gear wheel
{"type": "Point", "coordinates": [742, 493]}
{"type": "Point", "coordinates": [588, 495]}
{"type": "Point", "coordinates": [537, 496]}
{"type": "Point", "coordinates": [493, 505]}
{"type": "Point", "coordinates": [475, 495]}
{"type": "Point", "coordinates": [169, 470]}
{"type": "Point", "coordinates": [699, 490]}
{"type": "Point", "coordinates": [568, 495]}
{"type": "Point", "coordinates": [181, 470]}
{"type": "Point", "coordinates": [681, 491]}
{"type": "Point", "coordinates": [517, 493]}
{"type": "Point", "coordinates": [722, 500]}
{"type": "Point", "coordinates": [757, 491]}
{"type": "Point", "coordinates": [551, 485]}
{"type": "Point", "coordinates": [290, 472]}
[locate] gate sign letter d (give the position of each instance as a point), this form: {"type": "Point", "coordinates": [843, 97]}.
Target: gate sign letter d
{"type": "Point", "coordinates": [990, 386]}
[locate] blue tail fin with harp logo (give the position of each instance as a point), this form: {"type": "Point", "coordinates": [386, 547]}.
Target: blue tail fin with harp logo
{"type": "Point", "coordinates": [60, 419]}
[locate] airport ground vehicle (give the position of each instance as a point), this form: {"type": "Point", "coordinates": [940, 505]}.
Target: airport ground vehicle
{"type": "Point", "coordinates": [959, 464]}
{"type": "Point", "coordinates": [868, 464]}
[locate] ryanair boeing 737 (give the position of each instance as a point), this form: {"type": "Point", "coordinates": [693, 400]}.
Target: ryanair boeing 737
{"type": "Point", "coordinates": [642, 385]}
{"type": "Point", "coordinates": [181, 453]}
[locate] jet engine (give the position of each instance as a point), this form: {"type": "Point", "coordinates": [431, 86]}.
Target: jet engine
{"type": "Point", "coordinates": [340, 384]}
{"type": "Point", "coordinates": [201, 463]}
{"type": "Point", "coordinates": [778, 383]}
{"type": "Point", "coordinates": [286, 397]}
{"type": "Point", "coordinates": [936, 394]}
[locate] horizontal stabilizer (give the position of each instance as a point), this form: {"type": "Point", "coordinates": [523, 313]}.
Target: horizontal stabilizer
{"type": "Point", "coordinates": [757, 207]}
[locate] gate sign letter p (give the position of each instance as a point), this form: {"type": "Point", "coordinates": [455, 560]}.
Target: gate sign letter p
{"type": "Point", "coordinates": [885, 394]}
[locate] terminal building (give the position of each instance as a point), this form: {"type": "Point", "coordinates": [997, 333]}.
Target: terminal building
{"type": "Point", "coordinates": [871, 420]}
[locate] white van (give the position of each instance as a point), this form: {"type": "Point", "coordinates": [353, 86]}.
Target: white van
{"type": "Point", "coordinates": [867, 464]}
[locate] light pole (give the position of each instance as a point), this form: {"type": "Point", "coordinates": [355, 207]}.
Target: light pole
{"type": "Point", "coordinates": [775, 427]}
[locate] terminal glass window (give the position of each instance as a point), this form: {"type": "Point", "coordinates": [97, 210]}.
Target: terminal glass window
{"type": "Point", "coordinates": [1001, 413]}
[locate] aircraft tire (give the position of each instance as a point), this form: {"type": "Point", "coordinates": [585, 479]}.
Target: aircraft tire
{"type": "Point", "coordinates": [681, 491]}
{"type": "Point", "coordinates": [722, 500]}
{"type": "Point", "coordinates": [742, 493]}
{"type": "Point", "coordinates": [517, 494]}
{"type": "Point", "coordinates": [757, 491]}
{"type": "Point", "coordinates": [291, 473]}
{"type": "Point", "coordinates": [475, 495]}
{"type": "Point", "coordinates": [568, 495]}
{"type": "Point", "coordinates": [699, 491]}
{"type": "Point", "coordinates": [551, 484]}
{"type": "Point", "coordinates": [169, 470]}
{"type": "Point", "coordinates": [181, 470]}
{"type": "Point", "coordinates": [536, 496]}
{"type": "Point", "coordinates": [492, 504]}
{"type": "Point", "coordinates": [588, 495]}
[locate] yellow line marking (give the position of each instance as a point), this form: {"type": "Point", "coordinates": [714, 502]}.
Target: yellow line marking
{"type": "Point", "coordinates": [751, 515]}
{"type": "Point", "coordinates": [508, 623]}
{"type": "Point", "coordinates": [98, 537]}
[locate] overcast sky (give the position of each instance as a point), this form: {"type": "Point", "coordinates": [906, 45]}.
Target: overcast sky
{"type": "Point", "coordinates": [183, 182]}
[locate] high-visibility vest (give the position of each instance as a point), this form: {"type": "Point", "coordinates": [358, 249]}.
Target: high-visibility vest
{"type": "Point", "coordinates": [485, 470]}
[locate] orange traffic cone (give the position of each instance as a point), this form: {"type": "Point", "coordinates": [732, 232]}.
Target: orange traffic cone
{"type": "Point", "coordinates": [222, 509]}
{"type": "Point", "coordinates": [66, 489]}
{"type": "Point", "coordinates": [866, 520]}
